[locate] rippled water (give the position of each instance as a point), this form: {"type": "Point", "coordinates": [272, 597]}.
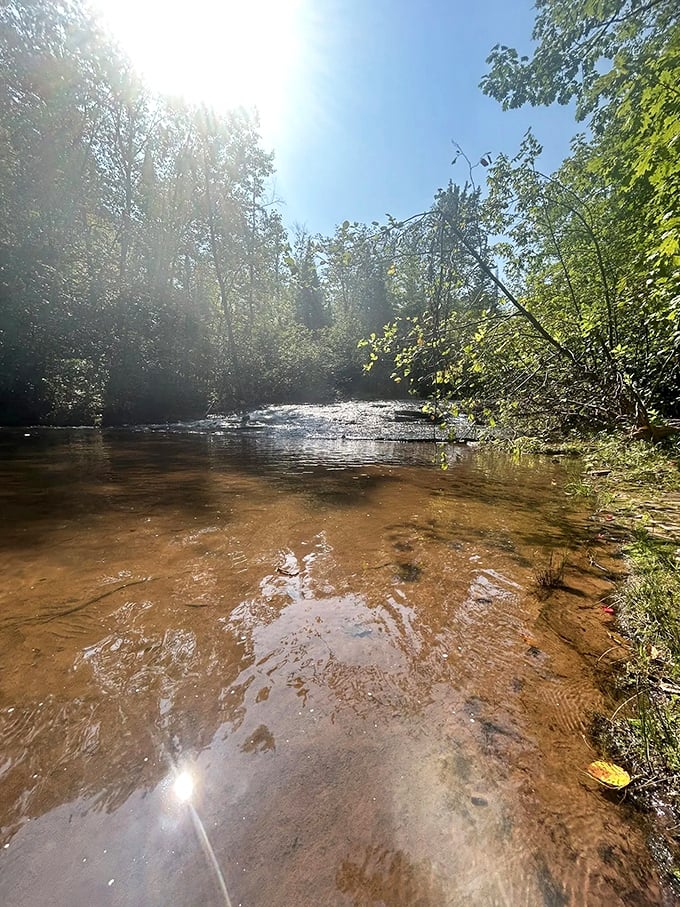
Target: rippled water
{"type": "Point", "coordinates": [252, 666]}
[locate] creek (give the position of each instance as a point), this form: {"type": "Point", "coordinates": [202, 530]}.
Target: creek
{"type": "Point", "coordinates": [274, 661]}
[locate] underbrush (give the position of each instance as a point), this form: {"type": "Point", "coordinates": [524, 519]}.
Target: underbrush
{"type": "Point", "coordinates": [636, 464]}
{"type": "Point", "coordinates": [638, 486]}
{"type": "Point", "coordinates": [646, 730]}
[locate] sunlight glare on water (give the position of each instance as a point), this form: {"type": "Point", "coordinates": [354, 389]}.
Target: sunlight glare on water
{"type": "Point", "coordinates": [184, 786]}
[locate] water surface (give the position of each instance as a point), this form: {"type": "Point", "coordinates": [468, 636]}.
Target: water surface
{"type": "Point", "coordinates": [332, 643]}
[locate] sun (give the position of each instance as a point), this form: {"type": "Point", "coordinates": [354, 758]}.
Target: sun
{"type": "Point", "coordinates": [223, 53]}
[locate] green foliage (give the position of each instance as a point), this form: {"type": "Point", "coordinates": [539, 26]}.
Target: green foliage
{"type": "Point", "coordinates": [594, 249]}
{"type": "Point", "coordinates": [649, 614]}
{"type": "Point", "coordinates": [75, 389]}
{"type": "Point", "coordinates": [578, 333]}
{"type": "Point", "coordinates": [642, 483]}
{"type": "Point", "coordinates": [144, 273]}
{"type": "Point", "coordinates": [636, 463]}
{"type": "Point", "coordinates": [578, 52]}
{"type": "Point", "coordinates": [442, 300]}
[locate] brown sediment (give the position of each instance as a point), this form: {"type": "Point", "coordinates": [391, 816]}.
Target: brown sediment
{"type": "Point", "coordinates": [375, 706]}
{"type": "Point", "coordinates": [61, 610]}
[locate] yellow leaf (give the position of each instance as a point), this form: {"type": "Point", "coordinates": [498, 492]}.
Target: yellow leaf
{"type": "Point", "coordinates": [609, 774]}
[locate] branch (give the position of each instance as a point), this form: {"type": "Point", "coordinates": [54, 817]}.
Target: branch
{"type": "Point", "coordinates": [533, 321]}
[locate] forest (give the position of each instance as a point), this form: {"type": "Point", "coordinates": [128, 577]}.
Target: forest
{"type": "Point", "coordinates": [146, 274]}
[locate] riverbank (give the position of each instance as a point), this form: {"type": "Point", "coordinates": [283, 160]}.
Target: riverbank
{"type": "Point", "coordinates": [636, 488]}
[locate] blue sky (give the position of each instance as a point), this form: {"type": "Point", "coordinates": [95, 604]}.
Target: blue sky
{"type": "Point", "coordinates": [381, 89]}
{"type": "Point", "coordinates": [360, 99]}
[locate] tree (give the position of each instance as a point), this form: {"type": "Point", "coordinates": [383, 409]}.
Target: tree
{"type": "Point", "coordinates": [310, 306]}
{"type": "Point", "coordinates": [582, 54]}
{"type": "Point", "coordinates": [49, 117]}
{"type": "Point", "coordinates": [140, 260]}
{"type": "Point", "coordinates": [595, 247]}
{"type": "Point", "coordinates": [442, 283]}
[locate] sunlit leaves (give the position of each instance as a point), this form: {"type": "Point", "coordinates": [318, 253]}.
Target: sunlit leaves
{"type": "Point", "coordinates": [597, 245]}
{"type": "Point", "coordinates": [573, 50]}
{"type": "Point", "coordinates": [609, 774]}
{"type": "Point", "coordinates": [445, 295]}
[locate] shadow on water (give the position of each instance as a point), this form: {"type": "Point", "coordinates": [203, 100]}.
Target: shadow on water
{"type": "Point", "coordinates": [138, 474]}
{"type": "Point", "coordinates": [342, 650]}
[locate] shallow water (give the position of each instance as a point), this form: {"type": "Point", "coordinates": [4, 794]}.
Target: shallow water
{"type": "Point", "coordinates": [333, 644]}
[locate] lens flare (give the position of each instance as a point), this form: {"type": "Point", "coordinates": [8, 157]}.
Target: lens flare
{"type": "Point", "coordinates": [184, 786]}
{"type": "Point", "coordinates": [224, 53]}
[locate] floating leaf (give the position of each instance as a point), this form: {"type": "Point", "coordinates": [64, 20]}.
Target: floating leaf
{"type": "Point", "coordinates": [609, 774]}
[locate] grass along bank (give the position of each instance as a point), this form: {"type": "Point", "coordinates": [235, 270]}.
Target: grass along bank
{"type": "Point", "coordinates": [636, 487]}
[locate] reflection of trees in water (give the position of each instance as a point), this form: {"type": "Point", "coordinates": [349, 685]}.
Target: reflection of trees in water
{"type": "Point", "coordinates": [390, 878]}
{"type": "Point", "coordinates": [260, 741]}
{"type": "Point", "coordinates": [85, 479]}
